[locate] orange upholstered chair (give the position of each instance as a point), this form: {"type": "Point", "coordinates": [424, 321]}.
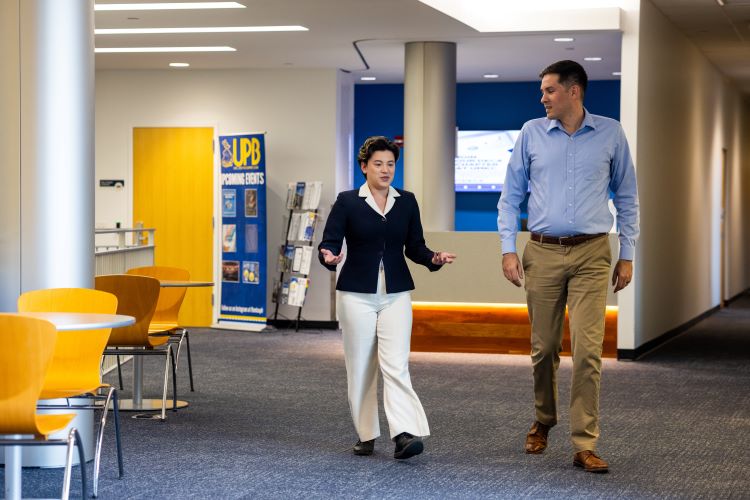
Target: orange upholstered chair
{"type": "Point", "coordinates": [75, 368]}
{"type": "Point", "coordinates": [27, 347]}
{"type": "Point", "coordinates": [137, 297]}
{"type": "Point", "coordinates": [165, 322]}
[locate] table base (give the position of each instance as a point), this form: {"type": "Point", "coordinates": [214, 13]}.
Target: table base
{"type": "Point", "coordinates": [149, 405]}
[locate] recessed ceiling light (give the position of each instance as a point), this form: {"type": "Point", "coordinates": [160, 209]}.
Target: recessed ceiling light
{"type": "Point", "coordinates": [211, 29]}
{"type": "Point", "coordinates": [169, 6]}
{"type": "Point", "coordinates": [368, 78]}
{"type": "Point", "coordinates": [121, 50]}
{"type": "Point", "coordinates": [565, 39]}
{"type": "Point", "coordinates": [616, 73]}
{"type": "Point", "coordinates": [179, 65]}
{"type": "Point", "coordinates": [592, 58]}
{"type": "Point", "coordinates": [491, 75]}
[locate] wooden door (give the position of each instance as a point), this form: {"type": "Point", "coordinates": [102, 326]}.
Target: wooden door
{"type": "Point", "coordinates": [173, 192]}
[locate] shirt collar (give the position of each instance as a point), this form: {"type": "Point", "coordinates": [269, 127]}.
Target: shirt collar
{"type": "Point", "coordinates": [588, 121]}
{"type": "Point", "coordinates": [364, 192]}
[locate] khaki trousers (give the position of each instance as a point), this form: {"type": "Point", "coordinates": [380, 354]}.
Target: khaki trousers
{"type": "Point", "coordinates": [576, 276]}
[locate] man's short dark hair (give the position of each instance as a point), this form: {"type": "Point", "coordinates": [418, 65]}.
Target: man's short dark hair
{"type": "Point", "coordinates": [570, 73]}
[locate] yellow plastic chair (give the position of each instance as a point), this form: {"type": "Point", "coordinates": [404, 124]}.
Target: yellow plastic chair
{"type": "Point", "coordinates": [75, 368]}
{"type": "Point", "coordinates": [165, 322]}
{"type": "Point", "coordinates": [27, 346]}
{"type": "Point", "coordinates": [137, 297]}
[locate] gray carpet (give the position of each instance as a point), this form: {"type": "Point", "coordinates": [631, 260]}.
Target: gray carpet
{"type": "Point", "coordinates": [269, 419]}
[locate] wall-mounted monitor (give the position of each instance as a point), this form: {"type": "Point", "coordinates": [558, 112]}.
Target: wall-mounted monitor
{"type": "Point", "coordinates": [482, 158]}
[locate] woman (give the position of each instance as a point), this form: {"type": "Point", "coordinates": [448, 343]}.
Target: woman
{"type": "Point", "coordinates": [373, 298]}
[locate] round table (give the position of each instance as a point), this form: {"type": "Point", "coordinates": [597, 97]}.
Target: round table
{"type": "Point", "coordinates": [63, 321]}
{"type": "Point", "coordinates": [184, 284]}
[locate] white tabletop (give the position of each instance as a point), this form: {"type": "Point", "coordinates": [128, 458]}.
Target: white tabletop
{"type": "Point", "coordinates": [180, 283]}
{"type": "Point", "coordinates": [82, 321]}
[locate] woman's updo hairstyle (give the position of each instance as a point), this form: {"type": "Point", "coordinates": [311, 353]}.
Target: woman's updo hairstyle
{"type": "Point", "coordinates": [376, 143]}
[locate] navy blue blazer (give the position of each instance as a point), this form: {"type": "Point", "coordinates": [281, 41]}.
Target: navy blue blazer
{"type": "Point", "coordinates": [371, 237]}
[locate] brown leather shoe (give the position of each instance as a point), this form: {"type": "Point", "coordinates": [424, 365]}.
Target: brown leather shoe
{"type": "Point", "coordinates": [590, 462]}
{"type": "Point", "coordinates": [536, 439]}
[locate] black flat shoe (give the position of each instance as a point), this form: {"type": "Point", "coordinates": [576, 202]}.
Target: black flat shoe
{"type": "Point", "coordinates": [365, 448]}
{"type": "Point", "coordinates": [407, 446]}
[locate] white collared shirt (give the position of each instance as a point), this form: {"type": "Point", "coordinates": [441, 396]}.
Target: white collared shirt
{"type": "Point", "coordinates": [364, 192]}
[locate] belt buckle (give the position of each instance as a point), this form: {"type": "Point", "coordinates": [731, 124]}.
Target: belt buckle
{"type": "Point", "coordinates": [561, 238]}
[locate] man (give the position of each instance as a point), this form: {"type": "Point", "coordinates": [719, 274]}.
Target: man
{"type": "Point", "coordinates": [569, 161]}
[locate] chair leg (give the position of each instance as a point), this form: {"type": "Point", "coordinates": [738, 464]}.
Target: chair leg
{"type": "Point", "coordinates": [174, 378]}
{"type": "Point", "coordinates": [68, 465]}
{"type": "Point", "coordinates": [166, 382]}
{"type": "Point", "coordinates": [190, 361]}
{"type": "Point", "coordinates": [82, 461]}
{"type": "Point", "coordinates": [99, 439]}
{"type": "Point", "coordinates": [116, 406]}
{"type": "Point", "coordinates": [119, 372]}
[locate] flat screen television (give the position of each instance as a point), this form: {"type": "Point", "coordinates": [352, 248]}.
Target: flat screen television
{"type": "Point", "coordinates": [482, 158]}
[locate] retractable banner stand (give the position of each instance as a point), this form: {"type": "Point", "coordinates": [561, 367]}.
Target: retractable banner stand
{"type": "Point", "coordinates": [242, 303]}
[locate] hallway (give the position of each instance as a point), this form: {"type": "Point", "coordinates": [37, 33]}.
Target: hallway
{"type": "Point", "coordinates": [269, 419]}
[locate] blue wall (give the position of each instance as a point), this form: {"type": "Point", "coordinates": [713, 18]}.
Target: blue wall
{"type": "Point", "coordinates": [379, 110]}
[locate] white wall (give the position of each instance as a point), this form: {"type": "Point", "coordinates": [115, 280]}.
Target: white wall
{"type": "Point", "coordinates": [738, 213]}
{"type": "Point", "coordinates": [629, 82]}
{"type": "Point", "coordinates": [297, 108]}
{"type": "Point", "coordinates": [687, 113]}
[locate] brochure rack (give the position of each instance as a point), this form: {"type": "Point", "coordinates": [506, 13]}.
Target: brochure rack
{"type": "Point", "coordinates": [296, 253]}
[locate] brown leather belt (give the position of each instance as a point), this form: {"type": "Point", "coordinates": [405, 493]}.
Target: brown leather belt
{"type": "Point", "coordinates": [567, 241]}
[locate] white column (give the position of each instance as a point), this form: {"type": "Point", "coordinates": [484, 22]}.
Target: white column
{"type": "Point", "coordinates": [46, 167]}
{"type": "Point", "coordinates": [57, 143]}
{"type": "Point", "coordinates": [10, 156]}
{"type": "Point", "coordinates": [430, 130]}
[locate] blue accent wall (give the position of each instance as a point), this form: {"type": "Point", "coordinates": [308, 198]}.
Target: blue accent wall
{"type": "Point", "coordinates": [379, 110]}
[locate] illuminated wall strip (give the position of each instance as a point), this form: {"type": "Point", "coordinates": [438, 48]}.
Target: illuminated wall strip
{"type": "Point", "coordinates": [213, 29]}
{"type": "Point", "coordinates": [480, 305]}
{"type": "Point", "coordinates": [123, 50]}
{"type": "Point", "coordinates": [169, 6]}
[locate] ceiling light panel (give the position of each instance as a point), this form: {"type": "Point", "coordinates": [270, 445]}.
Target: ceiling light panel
{"type": "Point", "coordinates": [495, 16]}
{"type": "Point", "coordinates": [209, 29]}
{"type": "Point", "coordinates": [131, 50]}
{"type": "Point", "coordinates": [168, 6]}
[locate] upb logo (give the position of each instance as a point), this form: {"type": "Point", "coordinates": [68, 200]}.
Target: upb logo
{"type": "Point", "coordinates": [241, 153]}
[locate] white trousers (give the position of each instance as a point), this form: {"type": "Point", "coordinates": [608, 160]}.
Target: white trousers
{"type": "Point", "coordinates": [377, 331]}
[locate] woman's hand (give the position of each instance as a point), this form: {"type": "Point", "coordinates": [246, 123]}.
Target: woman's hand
{"type": "Point", "coordinates": [331, 259]}
{"type": "Point", "coordinates": [440, 258]}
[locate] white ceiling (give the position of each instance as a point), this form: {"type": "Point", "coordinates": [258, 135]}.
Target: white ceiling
{"type": "Point", "coordinates": [381, 27]}
{"type": "Point", "coordinates": [721, 33]}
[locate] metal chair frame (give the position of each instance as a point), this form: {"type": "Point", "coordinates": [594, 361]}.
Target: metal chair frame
{"type": "Point", "coordinates": [74, 439]}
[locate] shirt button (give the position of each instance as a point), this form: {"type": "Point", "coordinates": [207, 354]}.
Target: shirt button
{"type": "Point", "coordinates": [570, 187]}
{"type": "Point", "coordinates": [570, 204]}
{"type": "Point", "coordinates": [570, 222]}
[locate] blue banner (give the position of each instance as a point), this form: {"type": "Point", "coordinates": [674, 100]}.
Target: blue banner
{"type": "Point", "coordinates": [243, 229]}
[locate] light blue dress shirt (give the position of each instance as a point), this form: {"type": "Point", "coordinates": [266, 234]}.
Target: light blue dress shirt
{"type": "Point", "coordinates": [570, 177]}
